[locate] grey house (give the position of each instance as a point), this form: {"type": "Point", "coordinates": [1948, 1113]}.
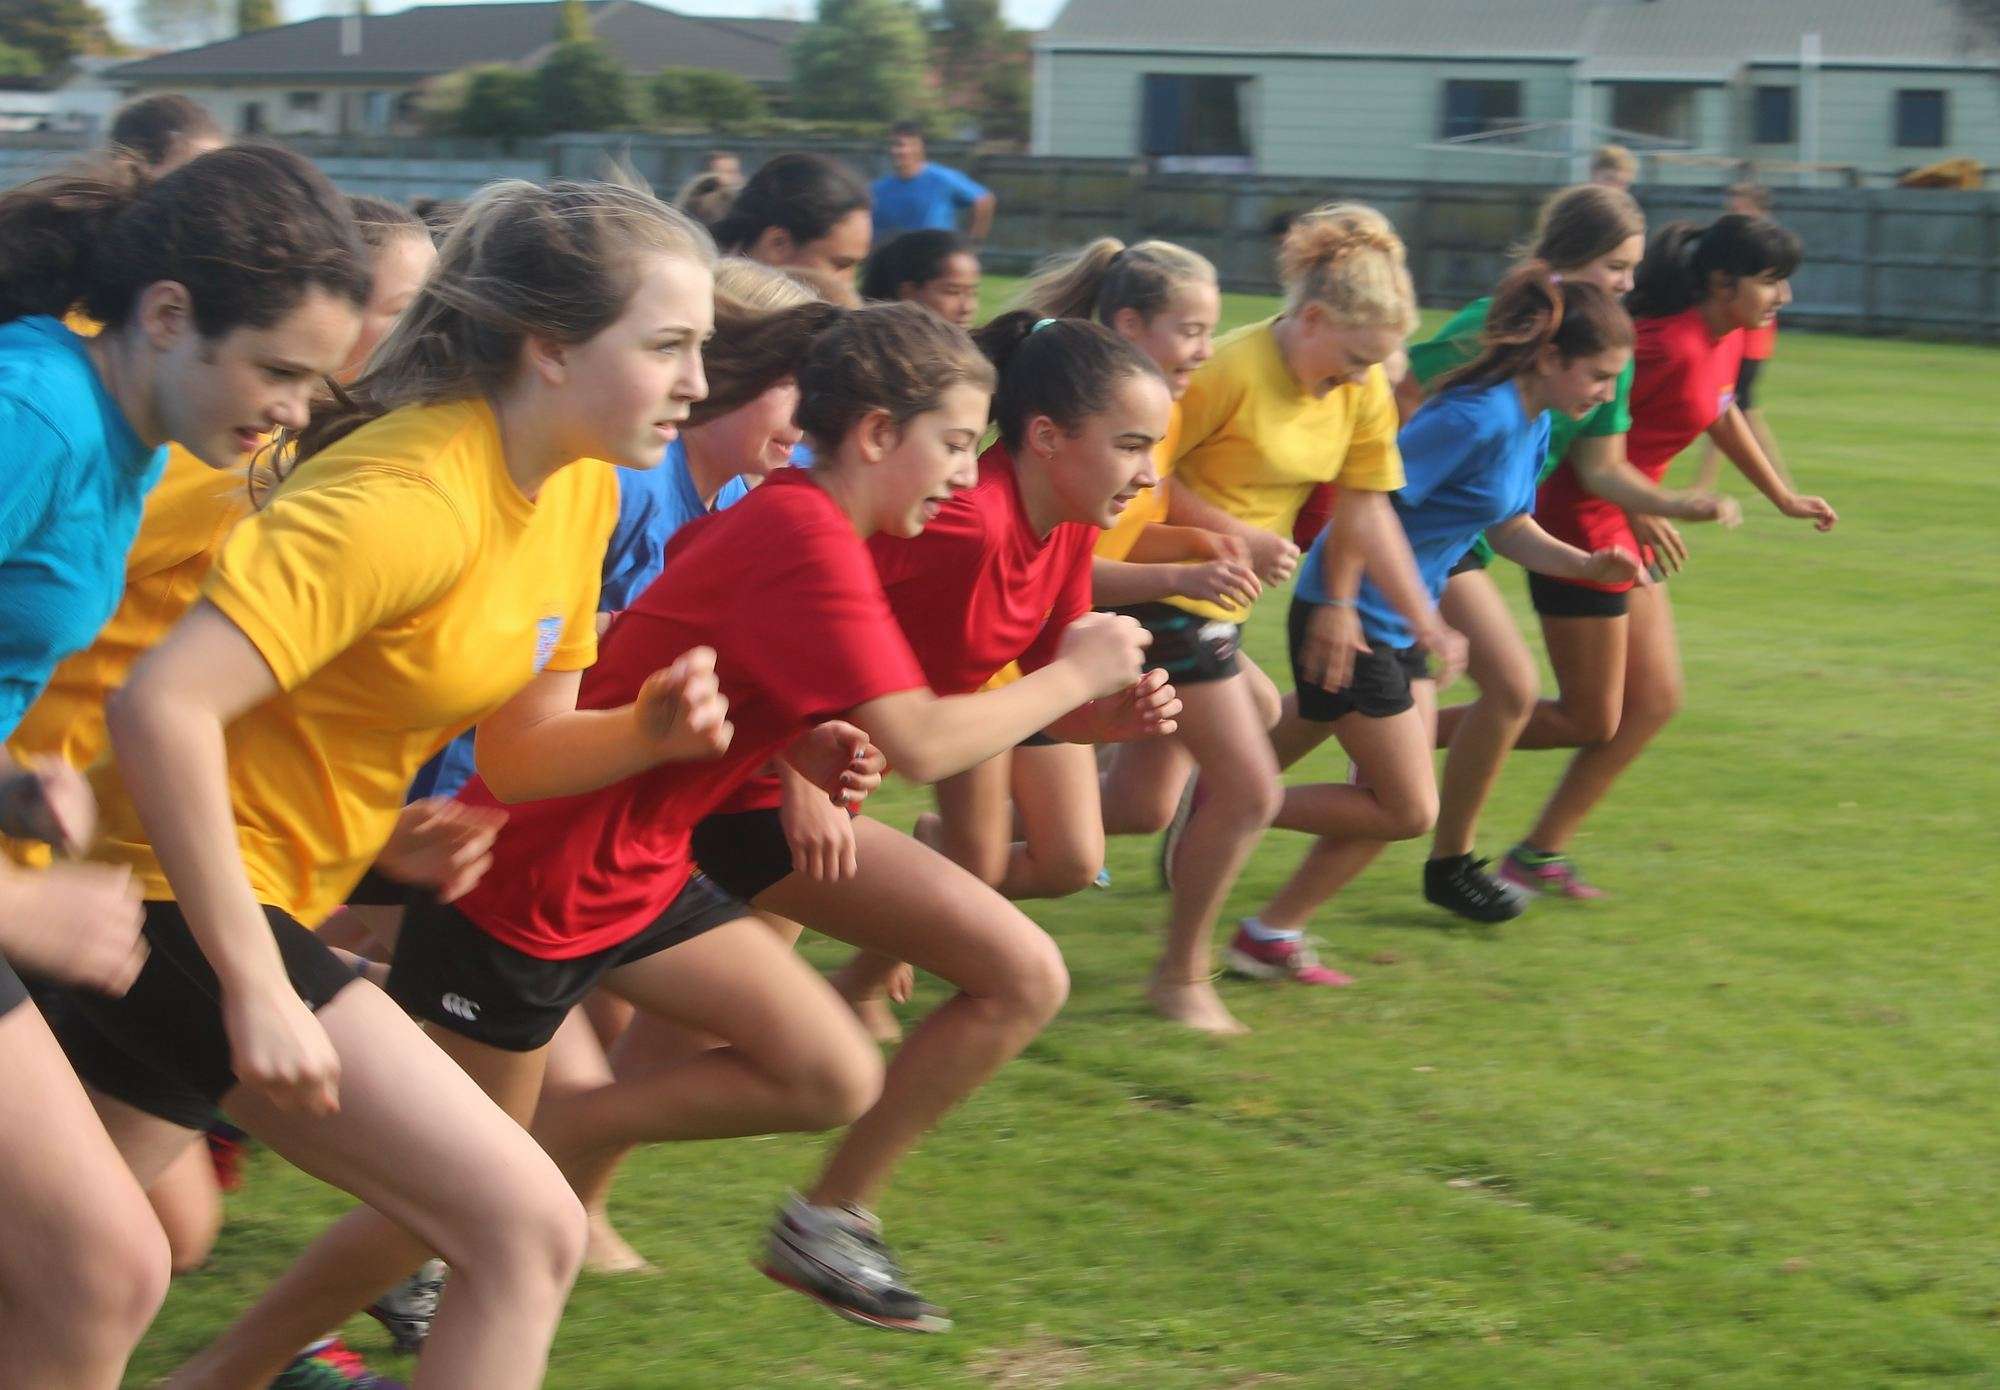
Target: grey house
{"type": "Point", "coordinates": [1513, 90]}
{"type": "Point", "coordinates": [362, 75]}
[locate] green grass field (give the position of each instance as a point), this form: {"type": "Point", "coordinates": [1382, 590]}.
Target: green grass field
{"type": "Point", "coordinates": [1734, 1127]}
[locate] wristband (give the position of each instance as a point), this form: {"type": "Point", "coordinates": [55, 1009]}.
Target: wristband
{"type": "Point", "coordinates": [1337, 603]}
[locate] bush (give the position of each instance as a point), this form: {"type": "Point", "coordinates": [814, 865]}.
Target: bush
{"type": "Point", "coordinates": [496, 101]}
{"type": "Point", "coordinates": [581, 87]}
{"type": "Point", "coordinates": [701, 96]}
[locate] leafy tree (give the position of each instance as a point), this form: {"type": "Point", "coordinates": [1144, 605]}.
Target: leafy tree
{"type": "Point", "coordinates": [181, 23]}
{"type": "Point", "coordinates": [581, 87]}
{"type": "Point", "coordinates": [256, 14]}
{"type": "Point", "coordinates": [18, 62]}
{"type": "Point", "coordinates": [55, 31]}
{"type": "Point", "coordinates": [498, 101]}
{"type": "Point", "coordinates": [982, 66]}
{"type": "Point", "coordinates": [573, 23]}
{"type": "Point", "coordinates": [863, 60]}
{"type": "Point", "coordinates": [703, 94]}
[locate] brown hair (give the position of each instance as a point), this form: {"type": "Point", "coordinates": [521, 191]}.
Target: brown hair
{"type": "Point", "coordinates": [1535, 308]}
{"type": "Point", "coordinates": [559, 262]}
{"type": "Point", "coordinates": [1614, 159]}
{"type": "Point", "coordinates": [764, 323]}
{"type": "Point", "coordinates": [1753, 193]}
{"type": "Point", "coordinates": [1348, 259]}
{"type": "Point", "coordinates": [805, 194]}
{"type": "Point", "coordinates": [897, 358]}
{"type": "Point", "coordinates": [150, 127]}
{"type": "Point", "coordinates": [1581, 223]}
{"type": "Point", "coordinates": [248, 230]}
{"type": "Point", "coordinates": [1065, 369]}
{"type": "Point", "coordinates": [707, 198]}
{"type": "Point", "coordinates": [1107, 275]}
{"type": "Point", "coordinates": [381, 221]}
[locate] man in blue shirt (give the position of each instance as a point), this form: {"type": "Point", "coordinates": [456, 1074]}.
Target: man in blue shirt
{"type": "Point", "coordinates": [919, 196]}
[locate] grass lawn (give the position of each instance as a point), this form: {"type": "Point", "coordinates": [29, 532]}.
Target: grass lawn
{"type": "Point", "coordinates": [1733, 1127]}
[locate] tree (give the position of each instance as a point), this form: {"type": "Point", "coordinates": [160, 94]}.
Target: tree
{"type": "Point", "coordinates": [982, 66]}
{"type": "Point", "coordinates": [54, 31]}
{"type": "Point", "coordinates": [704, 95]}
{"type": "Point", "coordinates": [500, 102]}
{"type": "Point", "coordinates": [182, 23]}
{"type": "Point", "coordinates": [863, 60]}
{"type": "Point", "coordinates": [18, 62]}
{"type": "Point", "coordinates": [581, 87]}
{"type": "Point", "coordinates": [573, 23]}
{"type": "Point", "coordinates": [256, 14]}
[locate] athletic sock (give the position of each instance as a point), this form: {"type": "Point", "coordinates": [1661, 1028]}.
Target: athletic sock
{"type": "Point", "coordinates": [1528, 854]}
{"type": "Point", "coordinates": [1254, 928]}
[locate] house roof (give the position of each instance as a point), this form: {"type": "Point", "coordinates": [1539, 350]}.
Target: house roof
{"type": "Point", "coordinates": [426, 40]}
{"type": "Point", "coordinates": [1636, 37]}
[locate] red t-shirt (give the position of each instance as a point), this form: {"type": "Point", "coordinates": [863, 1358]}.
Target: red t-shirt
{"type": "Point", "coordinates": [976, 590]}
{"type": "Point", "coordinates": [1685, 381]}
{"type": "Point", "coordinates": [783, 589]}
{"type": "Point", "coordinates": [1760, 343]}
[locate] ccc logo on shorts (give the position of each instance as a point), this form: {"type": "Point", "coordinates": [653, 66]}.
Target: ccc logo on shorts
{"type": "Point", "coordinates": [458, 1006]}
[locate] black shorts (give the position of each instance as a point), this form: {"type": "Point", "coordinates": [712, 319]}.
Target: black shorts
{"type": "Point", "coordinates": [449, 972]}
{"type": "Point", "coordinates": [13, 993]}
{"type": "Point", "coordinates": [1379, 688]}
{"type": "Point", "coordinates": [1038, 741]}
{"type": "Point", "coordinates": [1558, 598]}
{"type": "Point", "coordinates": [162, 1048]}
{"type": "Point", "coordinates": [745, 852]}
{"type": "Point", "coordinates": [1473, 559]}
{"type": "Point", "coordinates": [1746, 382]}
{"type": "Point", "coordinates": [1191, 649]}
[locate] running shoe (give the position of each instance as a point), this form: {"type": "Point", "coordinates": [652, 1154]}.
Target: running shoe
{"type": "Point", "coordinates": [837, 1256]}
{"type": "Point", "coordinates": [228, 1146]}
{"type": "Point", "coordinates": [1550, 874]}
{"type": "Point", "coordinates": [1170, 842]}
{"type": "Point", "coordinates": [1461, 884]}
{"type": "Point", "coordinates": [406, 1310]}
{"type": "Point", "coordinates": [1103, 879]}
{"type": "Point", "coordinates": [331, 1365]}
{"type": "Point", "coordinates": [1291, 959]}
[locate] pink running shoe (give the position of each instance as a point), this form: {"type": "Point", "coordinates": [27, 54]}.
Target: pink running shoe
{"type": "Point", "coordinates": [1279, 960]}
{"type": "Point", "coordinates": [1553, 875]}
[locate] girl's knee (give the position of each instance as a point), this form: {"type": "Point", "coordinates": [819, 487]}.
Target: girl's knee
{"type": "Point", "coordinates": [1413, 815]}
{"type": "Point", "coordinates": [1512, 691]}
{"type": "Point", "coordinates": [840, 1084]}
{"type": "Point", "coordinates": [1655, 705]}
{"type": "Point", "coordinates": [1067, 868]}
{"type": "Point", "coordinates": [531, 1229]}
{"type": "Point", "coordinates": [1037, 978]}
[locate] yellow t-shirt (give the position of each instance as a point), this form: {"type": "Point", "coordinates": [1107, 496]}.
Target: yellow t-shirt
{"type": "Point", "coordinates": [1255, 444]}
{"type": "Point", "coordinates": [1149, 507]}
{"type": "Point", "coordinates": [401, 589]}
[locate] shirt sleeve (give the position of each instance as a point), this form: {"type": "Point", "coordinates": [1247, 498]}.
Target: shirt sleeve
{"type": "Point", "coordinates": [1373, 463]}
{"type": "Point", "coordinates": [1214, 393]}
{"type": "Point", "coordinates": [1615, 415]}
{"type": "Point", "coordinates": [965, 189]}
{"type": "Point", "coordinates": [1072, 602]}
{"type": "Point", "coordinates": [1442, 438]}
{"type": "Point", "coordinates": [321, 565]}
{"type": "Point", "coordinates": [37, 462]}
{"type": "Point", "coordinates": [1453, 345]}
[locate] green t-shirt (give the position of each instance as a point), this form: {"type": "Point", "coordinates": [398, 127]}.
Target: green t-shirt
{"type": "Point", "coordinates": [1457, 343]}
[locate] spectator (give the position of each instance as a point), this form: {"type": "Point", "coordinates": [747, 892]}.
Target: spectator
{"type": "Point", "coordinates": [724, 165]}
{"type": "Point", "coordinates": [166, 130]}
{"type": "Point", "coordinates": [1615, 166]}
{"type": "Point", "coordinates": [919, 196]}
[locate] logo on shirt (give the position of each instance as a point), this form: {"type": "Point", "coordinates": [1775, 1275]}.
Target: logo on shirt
{"type": "Point", "coordinates": [458, 1006]}
{"type": "Point", "coordinates": [1723, 400]}
{"type": "Point", "coordinates": [548, 632]}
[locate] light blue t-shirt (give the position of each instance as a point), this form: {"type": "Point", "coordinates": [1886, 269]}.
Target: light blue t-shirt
{"type": "Point", "coordinates": [653, 503]}
{"type": "Point", "coordinates": [928, 200]}
{"type": "Point", "coordinates": [73, 480]}
{"type": "Point", "coordinates": [1470, 460]}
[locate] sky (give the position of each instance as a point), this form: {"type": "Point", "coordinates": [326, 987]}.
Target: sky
{"type": "Point", "coordinates": [1028, 14]}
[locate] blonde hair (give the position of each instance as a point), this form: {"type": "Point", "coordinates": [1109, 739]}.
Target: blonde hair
{"type": "Point", "coordinates": [1107, 275]}
{"type": "Point", "coordinates": [559, 262]}
{"type": "Point", "coordinates": [1346, 258]}
{"type": "Point", "coordinates": [752, 285]}
{"type": "Point", "coordinates": [707, 197]}
{"type": "Point", "coordinates": [1614, 159]}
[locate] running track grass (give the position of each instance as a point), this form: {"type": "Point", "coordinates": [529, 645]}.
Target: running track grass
{"type": "Point", "coordinates": [1734, 1127]}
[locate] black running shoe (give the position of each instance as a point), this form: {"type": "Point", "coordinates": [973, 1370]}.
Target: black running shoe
{"type": "Point", "coordinates": [1461, 884]}
{"type": "Point", "coordinates": [837, 1256]}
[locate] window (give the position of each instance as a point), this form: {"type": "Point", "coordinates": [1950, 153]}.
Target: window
{"type": "Point", "coordinates": [1184, 114]}
{"type": "Point", "coordinates": [1664, 110]}
{"type": "Point", "coordinates": [302, 101]}
{"type": "Point", "coordinates": [1774, 116]}
{"type": "Point", "coordinates": [1473, 108]}
{"type": "Point", "coordinates": [1920, 119]}
{"type": "Point", "coordinates": [251, 118]}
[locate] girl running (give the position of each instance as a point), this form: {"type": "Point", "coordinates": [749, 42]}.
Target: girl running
{"type": "Point", "coordinates": [937, 269]}
{"type": "Point", "coordinates": [1612, 644]}
{"type": "Point", "coordinates": [801, 211]}
{"type": "Point", "coordinates": [1284, 405]}
{"type": "Point", "coordinates": [434, 547]}
{"type": "Point", "coordinates": [1591, 233]}
{"type": "Point", "coordinates": [1000, 573]}
{"type": "Point", "coordinates": [223, 290]}
{"type": "Point", "coordinates": [1470, 458]}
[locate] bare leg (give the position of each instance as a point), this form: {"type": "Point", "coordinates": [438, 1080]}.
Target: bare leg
{"type": "Point", "coordinates": [1504, 671]}
{"type": "Point", "coordinates": [1142, 788]}
{"type": "Point", "coordinates": [1396, 800]}
{"type": "Point", "coordinates": [83, 1267]}
{"type": "Point", "coordinates": [443, 1170]}
{"type": "Point", "coordinates": [1652, 688]}
{"type": "Point", "coordinates": [1589, 659]}
{"type": "Point", "coordinates": [576, 1063]}
{"type": "Point", "coordinates": [1062, 842]}
{"type": "Point", "coordinates": [1222, 728]}
{"type": "Point", "coordinates": [188, 1203]}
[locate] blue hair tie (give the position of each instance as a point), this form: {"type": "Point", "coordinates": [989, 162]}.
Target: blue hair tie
{"type": "Point", "coordinates": [1040, 324]}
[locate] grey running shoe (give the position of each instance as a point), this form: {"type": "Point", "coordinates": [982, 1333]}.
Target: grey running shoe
{"type": "Point", "coordinates": [836, 1255]}
{"type": "Point", "coordinates": [1170, 842]}
{"type": "Point", "coordinates": [406, 1310]}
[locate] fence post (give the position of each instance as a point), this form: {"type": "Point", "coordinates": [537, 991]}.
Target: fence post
{"type": "Point", "coordinates": [1989, 272]}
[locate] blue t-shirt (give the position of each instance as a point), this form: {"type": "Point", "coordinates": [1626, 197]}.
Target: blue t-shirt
{"type": "Point", "coordinates": [928, 200]}
{"type": "Point", "coordinates": [1470, 460]}
{"type": "Point", "coordinates": [73, 479]}
{"type": "Point", "coordinates": [653, 503]}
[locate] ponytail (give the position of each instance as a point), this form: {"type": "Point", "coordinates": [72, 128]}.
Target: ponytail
{"type": "Point", "coordinates": [1681, 257]}
{"type": "Point", "coordinates": [53, 230]}
{"type": "Point", "coordinates": [1107, 276]}
{"type": "Point", "coordinates": [1065, 369]}
{"type": "Point", "coordinates": [1534, 309]}
{"type": "Point", "coordinates": [1347, 258]}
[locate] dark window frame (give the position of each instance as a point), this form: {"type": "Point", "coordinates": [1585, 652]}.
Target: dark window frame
{"type": "Point", "coordinates": [1467, 109]}
{"type": "Point", "coordinates": [1774, 115]}
{"type": "Point", "coordinates": [1625, 118]}
{"type": "Point", "coordinates": [1922, 118]}
{"type": "Point", "coordinates": [1175, 106]}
